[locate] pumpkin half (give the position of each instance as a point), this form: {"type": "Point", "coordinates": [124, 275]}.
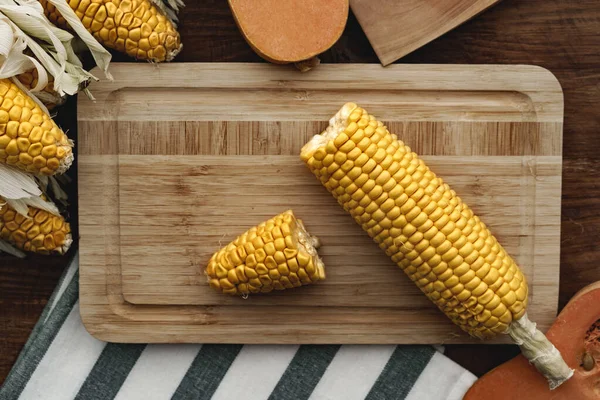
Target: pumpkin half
{"type": "Point", "coordinates": [576, 334]}
{"type": "Point", "coordinates": [290, 31]}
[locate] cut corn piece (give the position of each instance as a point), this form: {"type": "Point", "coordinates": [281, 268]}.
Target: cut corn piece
{"type": "Point", "coordinates": [420, 222]}
{"type": "Point", "coordinates": [277, 254]}
{"type": "Point", "coordinates": [29, 138]}
{"type": "Point", "coordinates": [40, 232]}
{"type": "Point", "coordinates": [135, 27]}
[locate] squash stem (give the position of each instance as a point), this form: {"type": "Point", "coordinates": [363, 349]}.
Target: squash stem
{"type": "Point", "coordinates": [540, 351]}
{"type": "Point", "coordinates": [307, 65]}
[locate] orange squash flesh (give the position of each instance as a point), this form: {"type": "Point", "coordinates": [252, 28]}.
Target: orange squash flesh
{"type": "Point", "coordinates": [576, 334]}
{"type": "Point", "coordinates": [287, 31]}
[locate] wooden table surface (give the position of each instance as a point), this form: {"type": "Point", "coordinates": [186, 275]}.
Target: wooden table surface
{"type": "Point", "coordinates": [562, 36]}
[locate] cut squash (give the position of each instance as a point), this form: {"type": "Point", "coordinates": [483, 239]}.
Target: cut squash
{"type": "Point", "coordinates": [290, 31]}
{"type": "Point", "coordinates": [576, 333]}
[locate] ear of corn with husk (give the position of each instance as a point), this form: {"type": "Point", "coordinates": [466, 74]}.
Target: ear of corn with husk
{"type": "Point", "coordinates": [29, 41]}
{"type": "Point", "coordinates": [432, 235]}
{"type": "Point", "coordinates": [28, 220]}
{"type": "Point", "coordinates": [21, 190]}
{"type": "Point", "coordinates": [39, 231]}
{"type": "Point", "coordinates": [277, 254]}
{"type": "Point", "coordinates": [29, 138]}
{"type": "Point", "coordinates": [138, 28]}
{"type": "Point", "coordinates": [38, 67]}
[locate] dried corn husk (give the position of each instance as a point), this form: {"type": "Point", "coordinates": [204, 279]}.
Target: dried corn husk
{"type": "Point", "coordinates": [29, 43]}
{"type": "Point", "coordinates": [38, 232]}
{"type": "Point", "coordinates": [138, 28]}
{"type": "Point", "coordinates": [47, 95]}
{"type": "Point", "coordinates": [28, 40]}
{"type": "Point", "coordinates": [10, 249]}
{"type": "Point", "coordinates": [170, 8]}
{"type": "Point", "coordinates": [21, 190]}
{"type": "Point", "coordinates": [53, 183]}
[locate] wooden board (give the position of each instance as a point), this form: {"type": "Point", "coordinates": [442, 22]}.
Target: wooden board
{"type": "Point", "coordinates": [397, 27]}
{"type": "Point", "coordinates": [176, 160]}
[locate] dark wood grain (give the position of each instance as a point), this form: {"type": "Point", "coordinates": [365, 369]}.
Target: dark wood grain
{"type": "Point", "coordinates": [561, 36]}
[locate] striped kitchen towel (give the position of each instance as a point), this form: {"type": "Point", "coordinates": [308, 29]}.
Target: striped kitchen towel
{"type": "Point", "coordinates": [62, 361]}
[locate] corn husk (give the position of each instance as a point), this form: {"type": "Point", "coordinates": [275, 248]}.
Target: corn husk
{"type": "Point", "coordinates": [170, 8]}
{"type": "Point", "coordinates": [21, 190]}
{"type": "Point", "coordinates": [53, 183]}
{"type": "Point", "coordinates": [47, 95]}
{"type": "Point", "coordinates": [28, 40]}
{"type": "Point", "coordinates": [10, 249]}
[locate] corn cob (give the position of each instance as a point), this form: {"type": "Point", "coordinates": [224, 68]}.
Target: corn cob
{"type": "Point", "coordinates": [420, 222]}
{"type": "Point", "coordinates": [41, 232]}
{"type": "Point", "coordinates": [29, 138]}
{"type": "Point", "coordinates": [136, 27]}
{"type": "Point", "coordinates": [47, 95]}
{"type": "Point", "coordinates": [277, 254]}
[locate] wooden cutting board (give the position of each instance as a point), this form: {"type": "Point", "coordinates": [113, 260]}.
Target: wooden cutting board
{"type": "Point", "coordinates": [176, 160]}
{"type": "Point", "coordinates": [397, 27]}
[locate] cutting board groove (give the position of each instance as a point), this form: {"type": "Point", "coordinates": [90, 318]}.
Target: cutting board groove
{"type": "Point", "coordinates": [160, 191]}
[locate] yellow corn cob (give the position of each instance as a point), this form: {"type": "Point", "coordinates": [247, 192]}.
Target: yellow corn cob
{"type": "Point", "coordinates": [48, 96]}
{"type": "Point", "coordinates": [135, 27]}
{"type": "Point", "coordinates": [420, 222]}
{"type": "Point", "coordinates": [41, 232]}
{"type": "Point", "coordinates": [29, 138]}
{"type": "Point", "coordinates": [424, 227]}
{"type": "Point", "coordinates": [277, 254]}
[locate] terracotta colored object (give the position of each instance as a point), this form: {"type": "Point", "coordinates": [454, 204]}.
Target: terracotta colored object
{"type": "Point", "coordinates": [289, 31]}
{"type": "Point", "coordinates": [576, 333]}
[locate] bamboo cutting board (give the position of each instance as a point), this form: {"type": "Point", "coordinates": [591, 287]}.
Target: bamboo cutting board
{"type": "Point", "coordinates": [177, 160]}
{"type": "Point", "coordinates": [397, 27]}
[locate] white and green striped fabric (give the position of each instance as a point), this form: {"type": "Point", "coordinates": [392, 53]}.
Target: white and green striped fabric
{"type": "Point", "coordinates": [62, 361]}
